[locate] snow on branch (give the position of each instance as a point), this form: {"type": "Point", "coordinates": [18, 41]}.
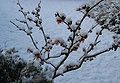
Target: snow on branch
{"type": "Point", "coordinates": [78, 36]}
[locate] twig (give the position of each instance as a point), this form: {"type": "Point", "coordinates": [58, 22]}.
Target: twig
{"type": "Point", "coordinates": [82, 59]}
{"type": "Point", "coordinates": [72, 43]}
{"type": "Point", "coordinates": [26, 32]}
{"type": "Point", "coordinates": [99, 34]}
{"type": "Point", "coordinates": [85, 15]}
{"type": "Point", "coordinates": [92, 28]}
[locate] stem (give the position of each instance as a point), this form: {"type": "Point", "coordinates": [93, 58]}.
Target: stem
{"type": "Point", "coordinates": [44, 36]}
{"type": "Point", "coordinates": [26, 32]}
{"type": "Point", "coordinates": [87, 13]}
{"type": "Point", "coordinates": [82, 61]}
{"type": "Point", "coordinates": [33, 42]}
{"type": "Point", "coordinates": [69, 49]}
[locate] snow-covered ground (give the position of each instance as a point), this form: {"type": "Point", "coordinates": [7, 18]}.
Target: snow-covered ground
{"type": "Point", "coordinates": [104, 69]}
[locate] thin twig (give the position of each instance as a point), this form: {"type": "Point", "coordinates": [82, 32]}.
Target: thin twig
{"type": "Point", "coordinates": [26, 33]}
{"type": "Point", "coordinates": [92, 28]}
{"type": "Point", "coordinates": [82, 60]}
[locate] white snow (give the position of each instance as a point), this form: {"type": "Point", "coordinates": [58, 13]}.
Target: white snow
{"type": "Point", "coordinates": [73, 27]}
{"type": "Point", "coordinates": [62, 14]}
{"type": "Point", "coordinates": [83, 32]}
{"type": "Point", "coordinates": [36, 51]}
{"type": "Point", "coordinates": [104, 69]}
{"type": "Point", "coordinates": [29, 32]}
{"type": "Point", "coordinates": [77, 22]}
{"type": "Point", "coordinates": [68, 20]}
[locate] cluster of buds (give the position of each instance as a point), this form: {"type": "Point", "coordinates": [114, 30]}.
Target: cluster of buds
{"type": "Point", "coordinates": [33, 16]}
{"type": "Point", "coordinates": [36, 20]}
{"type": "Point", "coordinates": [36, 11]}
{"type": "Point", "coordinates": [89, 59]}
{"type": "Point", "coordinates": [29, 18]}
{"type": "Point", "coordinates": [73, 27]}
{"type": "Point", "coordinates": [57, 41]}
{"type": "Point", "coordinates": [48, 47]}
{"type": "Point", "coordinates": [60, 17]}
{"type": "Point", "coordinates": [22, 11]}
{"type": "Point", "coordinates": [80, 36]}
{"type": "Point", "coordinates": [71, 64]}
{"type": "Point", "coordinates": [98, 32]}
{"type": "Point", "coordinates": [54, 41]}
{"type": "Point", "coordinates": [35, 52]}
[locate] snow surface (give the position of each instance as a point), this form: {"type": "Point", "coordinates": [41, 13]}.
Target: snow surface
{"type": "Point", "coordinates": [104, 69]}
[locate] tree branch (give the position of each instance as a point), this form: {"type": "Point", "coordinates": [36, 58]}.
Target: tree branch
{"type": "Point", "coordinates": [72, 43]}
{"type": "Point", "coordinates": [83, 59]}
{"type": "Point", "coordinates": [26, 33]}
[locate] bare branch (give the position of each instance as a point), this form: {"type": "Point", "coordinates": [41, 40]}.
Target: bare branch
{"type": "Point", "coordinates": [26, 33]}
{"type": "Point", "coordinates": [93, 28]}
{"type": "Point", "coordinates": [101, 52]}
{"type": "Point", "coordinates": [50, 57]}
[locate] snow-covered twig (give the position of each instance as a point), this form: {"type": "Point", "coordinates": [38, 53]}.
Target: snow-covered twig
{"type": "Point", "coordinates": [90, 31]}
{"type": "Point", "coordinates": [83, 59]}
{"type": "Point", "coordinates": [88, 10]}
{"type": "Point", "coordinates": [74, 40]}
{"type": "Point", "coordinates": [26, 33]}
{"type": "Point", "coordinates": [74, 35]}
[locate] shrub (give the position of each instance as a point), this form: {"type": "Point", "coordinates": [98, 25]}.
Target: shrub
{"type": "Point", "coordinates": [10, 66]}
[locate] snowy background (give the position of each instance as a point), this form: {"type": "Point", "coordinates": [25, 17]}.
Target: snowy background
{"type": "Point", "coordinates": [104, 69]}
